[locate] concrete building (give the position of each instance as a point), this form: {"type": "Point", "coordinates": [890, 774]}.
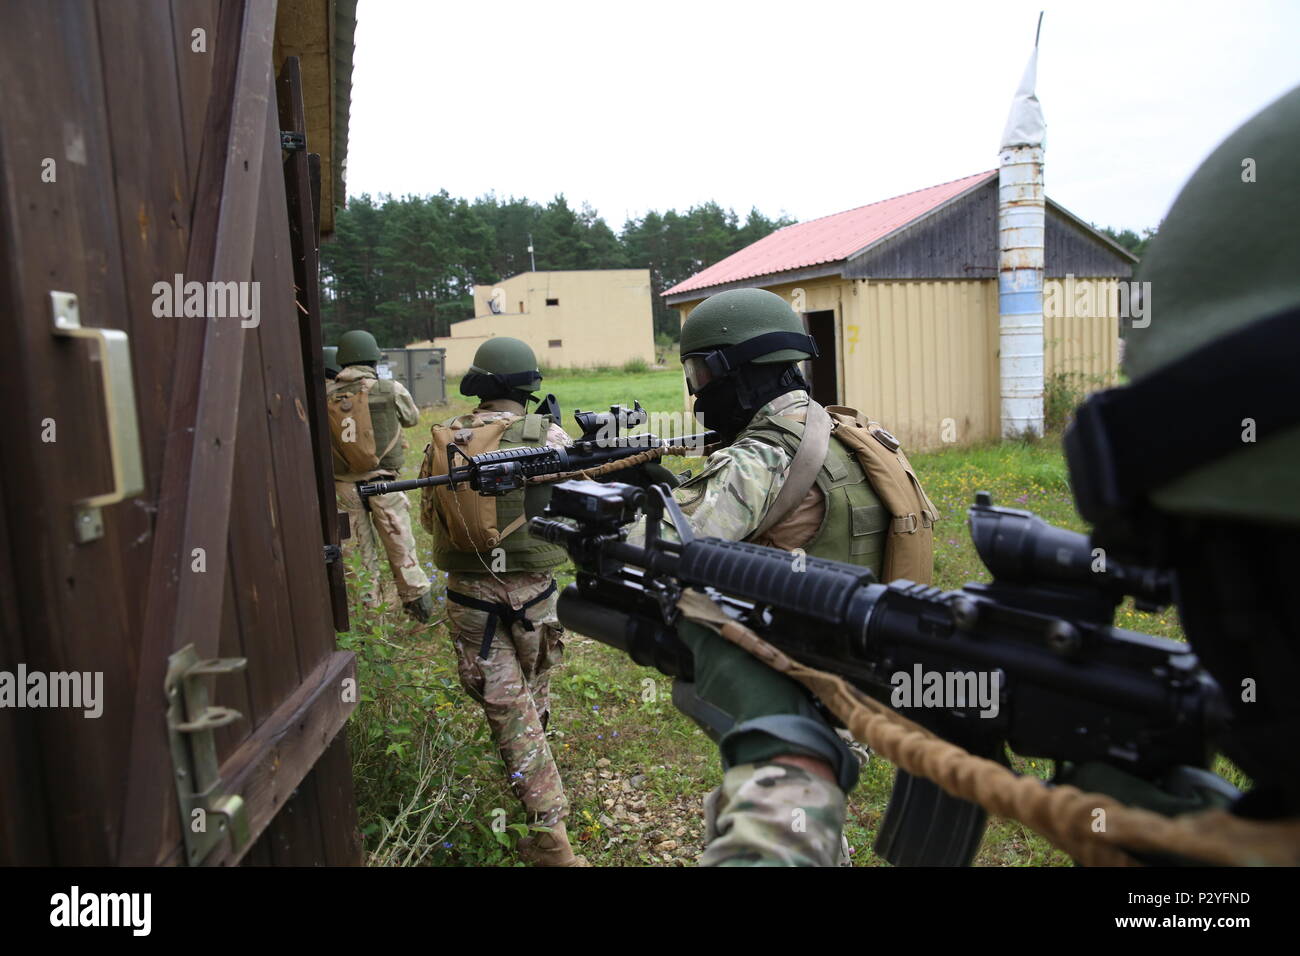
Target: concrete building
{"type": "Point", "coordinates": [902, 298]}
{"type": "Point", "coordinates": [577, 319]}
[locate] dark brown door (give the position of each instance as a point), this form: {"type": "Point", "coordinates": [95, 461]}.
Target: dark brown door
{"type": "Point", "coordinates": [127, 158]}
{"type": "Point", "coordinates": [823, 371]}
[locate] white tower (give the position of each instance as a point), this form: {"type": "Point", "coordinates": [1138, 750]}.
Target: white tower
{"type": "Point", "coordinates": [1021, 223]}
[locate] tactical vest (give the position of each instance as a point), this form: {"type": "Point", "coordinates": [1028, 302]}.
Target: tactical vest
{"type": "Point", "coordinates": [855, 521]}
{"type": "Point", "coordinates": [383, 414]}
{"type": "Point", "coordinates": [522, 551]}
{"type": "Point", "coordinates": [382, 401]}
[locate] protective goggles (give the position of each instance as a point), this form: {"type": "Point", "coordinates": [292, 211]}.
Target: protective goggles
{"type": "Point", "coordinates": [703, 368]}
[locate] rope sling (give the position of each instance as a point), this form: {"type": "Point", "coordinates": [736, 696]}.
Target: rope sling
{"type": "Point", "coordinates": [1066, 816]}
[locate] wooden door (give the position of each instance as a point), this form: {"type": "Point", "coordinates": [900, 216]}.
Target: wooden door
{"type": "Point", "coordinates": [166, 160]}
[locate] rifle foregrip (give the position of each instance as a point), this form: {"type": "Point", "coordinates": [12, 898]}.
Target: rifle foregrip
{"type": "Point", "coordinates": [801, 585]}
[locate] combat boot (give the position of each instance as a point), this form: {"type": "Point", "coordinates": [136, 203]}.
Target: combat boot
{"type": "Point", "coordinates": [421, 608]}
{"type": "Point", "coordinates": [551, 849]}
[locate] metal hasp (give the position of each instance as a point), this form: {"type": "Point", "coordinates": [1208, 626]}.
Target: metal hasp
{"type": "Point", "coordinates": [291, 141]}
{"type": "Point", "coordinates": [207, 814]}
{"type": "Point", "coordinates": [114, 357]}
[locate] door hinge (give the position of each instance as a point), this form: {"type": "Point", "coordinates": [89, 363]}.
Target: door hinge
{"type": "Point", "coordinates": [207, 813]}
{"type": "Point", "coordinates": [332, 553]}
{"type": "Point", "coordinates": [291, 141]}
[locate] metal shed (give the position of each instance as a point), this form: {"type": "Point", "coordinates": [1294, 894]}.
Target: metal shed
{"type": "Point", "coordinates": [422, 370]}
{"type": "Point", "coordinates": [901, 296]}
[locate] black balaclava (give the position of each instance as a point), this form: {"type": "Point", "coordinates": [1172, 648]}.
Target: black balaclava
{"type": "Point", "coordinates": [728, 404]}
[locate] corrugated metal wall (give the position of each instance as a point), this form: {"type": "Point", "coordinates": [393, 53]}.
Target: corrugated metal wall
{"type": "Point", "coordinates": [1081, 331]}
{"type": "Point", "coordinates": [921, 356]}
{"type": "Point", "coordinates": [924, 360]}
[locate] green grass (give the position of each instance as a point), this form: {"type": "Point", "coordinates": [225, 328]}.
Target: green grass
{"type": "Point", "coordinates": [429, 782]}
{"type": "Point", "coordinates": [657, 391]}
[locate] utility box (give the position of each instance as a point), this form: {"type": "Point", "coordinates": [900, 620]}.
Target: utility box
{"type": "Point", "coordinates": [422, 370]}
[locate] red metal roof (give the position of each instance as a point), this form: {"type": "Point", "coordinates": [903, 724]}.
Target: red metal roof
{"type": "Point", "coordinates": [828, 239]}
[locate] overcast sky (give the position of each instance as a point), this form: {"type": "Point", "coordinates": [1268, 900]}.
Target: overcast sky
{"type": "Point", "coordinates": [804, 108]}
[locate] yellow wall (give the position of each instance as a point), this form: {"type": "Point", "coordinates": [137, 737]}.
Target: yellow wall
{"type": "Point", "coordinates": [921, 357]}
{"type": "Point", "coordinates": [603, 317]}
{"type": "Point", "coordinates": [1081, 330]}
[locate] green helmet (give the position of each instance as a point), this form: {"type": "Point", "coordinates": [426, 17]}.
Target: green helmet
{"type": "Point", "coordinates": [1224, 273]}
{"type": "Point", "coordinates": [331, 354]}
{"type": "Point", "coordinates": [738, 327]}
{"type": "Point", "coordinates": [502, 365]}
{"type": "Point", "coordinates": [357, 346]}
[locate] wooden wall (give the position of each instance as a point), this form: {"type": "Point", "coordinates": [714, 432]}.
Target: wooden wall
{"type": "Point", "coordinates": [148, 185]}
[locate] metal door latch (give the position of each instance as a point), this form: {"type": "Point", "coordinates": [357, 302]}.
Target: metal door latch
{"type": "Point", "coordinates": [291, 141]}
{"type": "Point", "coordinates": [207, 814]}
{"type": "Point", "coordinates": [118, 385]}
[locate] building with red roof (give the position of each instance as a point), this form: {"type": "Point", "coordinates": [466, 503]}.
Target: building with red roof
{"type": "Point", "coordinates": [901, 296]}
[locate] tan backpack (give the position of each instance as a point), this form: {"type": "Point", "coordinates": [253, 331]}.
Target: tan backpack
{"type": "Point", "coordinates": [468, 519]}
{"type": "Point", "coordinates": [352, 431]}
{"type": "Point", "coordinates": [909, 543]}
{"type": "Point", "coordinates": [909, 547]}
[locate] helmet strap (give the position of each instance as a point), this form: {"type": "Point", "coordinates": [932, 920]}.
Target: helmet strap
{"type": "Point", "coordinates": [733, 358]}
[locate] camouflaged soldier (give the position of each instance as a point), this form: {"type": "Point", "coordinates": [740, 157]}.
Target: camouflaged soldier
{"type": "Point", "coordinates": [380, 520]}
{"type": "Point", "coordinates": [501, 595]}
{"type": "Point", "coordinates": [782, 799]}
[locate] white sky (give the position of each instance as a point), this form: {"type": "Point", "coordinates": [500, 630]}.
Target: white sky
{"type": "Point", "coordinates": [805, 108]}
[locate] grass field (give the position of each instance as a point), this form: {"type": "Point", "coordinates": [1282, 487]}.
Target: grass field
{"type": "Point", "coordinates": [429, 783]}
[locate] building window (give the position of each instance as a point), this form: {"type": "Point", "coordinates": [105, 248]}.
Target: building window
{"type": "Point", "coordinates": [555, 343]}
{"type": "Point", "coordinates": [552, 301]}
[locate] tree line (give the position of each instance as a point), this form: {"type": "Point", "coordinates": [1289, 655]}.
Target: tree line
{"type": "Point", "coordinates": [405, 268]}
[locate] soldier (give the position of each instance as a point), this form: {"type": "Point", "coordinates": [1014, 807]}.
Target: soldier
{"type": "Point", "coordinates": [780, 481]}
{"type": "Point", "coordinates": [385, 517]}
{"type": "Point", "coordinates": [1213, 392]}
{"type": "Point", "coordinates": [501, 596]}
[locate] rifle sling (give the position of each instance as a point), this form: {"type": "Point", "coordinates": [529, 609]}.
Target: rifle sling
{"type": "Point", "coordinates": [802, 473]}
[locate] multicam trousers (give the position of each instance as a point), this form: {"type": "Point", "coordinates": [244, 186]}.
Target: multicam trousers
{"type": "Point", "coordinates": [388, 520]}
{"type": "Point", "coordinates": [773, 814]}
{"type": "Point", "coordinates": [513, 683]}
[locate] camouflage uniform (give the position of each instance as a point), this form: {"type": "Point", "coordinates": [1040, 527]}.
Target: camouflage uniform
{"type": "Point", "coordinates": [388, 522]}
{"type": "Point", "coordinates": [767, 813]}
{"type": "Point", "coordinates": [512, 683]}
{"type": "Point", "coordinates": [739, 483]}
{"type": "Point", "coordinates": [773, 814]}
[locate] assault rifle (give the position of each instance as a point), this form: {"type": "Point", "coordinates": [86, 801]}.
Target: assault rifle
{"type": "Point", "coordinates": [1072, 687]}
{"type": "Point", "coordinates": [604, 439]}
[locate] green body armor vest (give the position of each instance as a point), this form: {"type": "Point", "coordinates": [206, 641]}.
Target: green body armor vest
{"type": "Point", "coordinates": [523, 552]}
{"type": "Point", "coordinates": [383, 416]}
{"type": "Point", "coordinates": [853, 528]}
